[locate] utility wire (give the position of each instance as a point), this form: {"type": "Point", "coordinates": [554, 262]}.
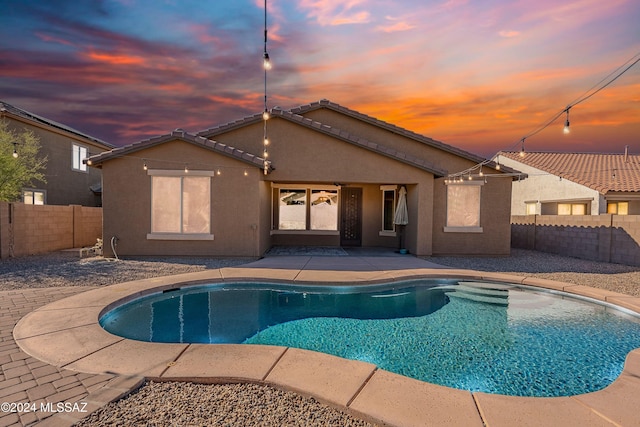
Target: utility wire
{"type": "Point", "coordinates": [588, 94]}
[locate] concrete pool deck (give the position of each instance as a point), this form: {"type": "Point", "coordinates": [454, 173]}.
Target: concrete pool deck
{"type": "Point", "coordinates": [66, 335]}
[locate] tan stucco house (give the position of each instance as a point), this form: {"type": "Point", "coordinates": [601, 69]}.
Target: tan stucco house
{"type": "Point", "coordinates": [334, 179]}
{"type": "Point", "coordinates": [69, 180]}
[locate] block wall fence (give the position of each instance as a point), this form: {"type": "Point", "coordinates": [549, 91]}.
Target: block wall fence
{"type": "Point", "coordinates": [606, 238]}
{"type": "Point", "coordinates": [36, 229]}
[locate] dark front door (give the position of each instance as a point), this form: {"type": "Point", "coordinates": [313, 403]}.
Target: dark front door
{"type": "Point", "coordinates": [351, 214]}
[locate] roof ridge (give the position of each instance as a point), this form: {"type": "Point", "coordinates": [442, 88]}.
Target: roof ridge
{"type": "Point", "coordinates": [362, 142]}
{"type": "Point", "coordinates": [5, 106]}
{"type": "Point", "coordinates": [325, 103]}
{"type": "Point", "coordinates": [210, 144]}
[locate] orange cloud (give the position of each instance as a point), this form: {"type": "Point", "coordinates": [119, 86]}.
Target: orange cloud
{"type": "Point", "coordinates": [509, 33]}
{"type": "Point", "coordinates": [115, 59]}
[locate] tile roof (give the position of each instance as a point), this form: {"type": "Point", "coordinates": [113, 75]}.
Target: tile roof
{"type": "Point", "coordinates": [294, 114]}
{"type": "Point", "coordinates": [10, 109]}
{"type": "Point", "coordinates": [361, 142]}
{"type": "Point", "coordinates": [180, 134]}
{"type": "Point", "coordinates": [604, 173]}
{"type": "Point", "coordinates": [325, 103]}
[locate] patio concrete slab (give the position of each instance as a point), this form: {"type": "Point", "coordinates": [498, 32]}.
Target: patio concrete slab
{"type": "Point", "coordinates": [127, 357]}
{"type": "Point", "coordinates": [342, 277]}
{"type": "Point", "coordinates": [330, 379]}
{"type": "Point", "coordinates": [628, 302]}
{"type": "Point", "coordinates": [237, 273]}
{"type": "Point", "coordinates": [278, 263]}
{"type": "Point", "coordinates": [548, 284]}
{"type": "Point", "coordinates": [41, 321]}
{"type": "Point", "coordinates": [60, 348]}
{"type": "Point", "coordinates": [224, 362]}
{"type": "Point", "coordinates": [400, 401]}
{"type": "Point", "coordinates": [508, 411]}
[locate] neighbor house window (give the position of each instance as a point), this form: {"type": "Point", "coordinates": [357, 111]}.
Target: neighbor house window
{"type": "Point", "coordinates": [572, 209]}
{"type": "Point", "coordinates": [388, 209]}
{"type": "Point", "coordinates": [463, 207]}
{"type": "Point", "coordinates": [78, 154]}
{"type": "Point", "coordinates": [618, 208]}
{"type": "Point", "coordinates": [33, 197]}
{"type": "Point", "coordinates": [306, 208]}
{"type": "Point", "coordinates": [180, 205]}
{"type": "Point", "coordinates": [531, 208]}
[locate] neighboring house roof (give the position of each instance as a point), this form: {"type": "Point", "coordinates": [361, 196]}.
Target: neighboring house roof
{"type": "Point", "coordinates": [604, 173]}
{"type": "Point", "coordinates": [8, 109]}
{"type": "Point", "coordinates": [179, 134]}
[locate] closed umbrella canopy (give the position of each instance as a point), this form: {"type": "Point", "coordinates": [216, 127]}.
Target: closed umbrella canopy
{"type": "Point", "coordinates": [401, 216]}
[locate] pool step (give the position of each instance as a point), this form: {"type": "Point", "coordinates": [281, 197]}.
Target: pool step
{"type": "Point", "coordinates": [482, 292]}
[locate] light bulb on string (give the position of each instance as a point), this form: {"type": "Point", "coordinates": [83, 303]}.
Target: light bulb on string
{"type": "Point", "coordinates": [566, 129]}
{"type": "Point", "coordinates": [522, 152]}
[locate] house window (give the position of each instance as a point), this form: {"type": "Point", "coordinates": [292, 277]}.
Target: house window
{"type": "Point", "coordinates": [78, 154]}
{"type": "Point", "coordinates": [292, 210]}
{"type": "Point", "coordinates": [572, 209]}
{"type": "Point", "coordinates": [324, 210]}
{"type": "Point", "coordinates": [306, 208]}
{"type": "Point", "coordinates": [388, 210]}
{"type": "Point", "coordinates": [463, 207]}
{"type": "Point", "coordinates": [618, 208]}
{"type": "Point", "coordinates": [33, 197]}
{"type": "Point", "coordinates": [180, 205]}
{"type": "Point", "coordinates": [530, 208]}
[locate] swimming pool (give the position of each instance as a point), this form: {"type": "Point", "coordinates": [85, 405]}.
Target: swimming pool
{"type": "Point", "coordinates": [477, 336]}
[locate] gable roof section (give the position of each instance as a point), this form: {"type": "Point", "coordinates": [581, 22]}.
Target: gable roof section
{"type": "Point", "coordinates": [604, 173]}
{"type": "Point", "coordinates": [360, 142]}
{"type": "Point", "coordinates": [8, 109]}
{"type": "Point", "coordinates": [325, 103]}
{"type": "Point", "coordinates": [293, 116]}
{"type": "Point", "coordinates": [181, 135]}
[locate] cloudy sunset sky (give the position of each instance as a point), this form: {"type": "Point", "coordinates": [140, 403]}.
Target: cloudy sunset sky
{"type": "Point", "coordinates": [478, 75]}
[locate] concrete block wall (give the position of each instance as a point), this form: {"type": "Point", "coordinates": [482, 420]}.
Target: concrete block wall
{"type": "Point", "coordinates": [607, 238]}
{"type": "Point", "coordinates": [35, 229]}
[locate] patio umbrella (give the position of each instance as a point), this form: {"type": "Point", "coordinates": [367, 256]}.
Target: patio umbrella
{"type": "Point", "coordinates": [401, 216]}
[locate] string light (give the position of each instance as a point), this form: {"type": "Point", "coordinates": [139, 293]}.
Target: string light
{"type": "Point", "coordinates": [566, 129]}
{"type": "Point", "coordinates": [606, 81]}
{"type": "Point", "coordinates": [265, 115]}
{"type": "Point", "coordinates": [186, 168]}
{"type": "Point", "coordinates": [144, 166]}
{"type": "Point", "coordinates": [15, 150]}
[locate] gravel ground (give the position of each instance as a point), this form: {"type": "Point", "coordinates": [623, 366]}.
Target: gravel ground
{"type": "Point", "coordinates": [188, 404]}
{"type": "Point", "coordinates": [614, 277]}
{"type": "Point", "coordinates": [67, 269]}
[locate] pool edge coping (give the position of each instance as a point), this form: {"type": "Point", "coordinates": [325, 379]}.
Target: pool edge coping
{"type": "Point", "coordinates": [309, 373]}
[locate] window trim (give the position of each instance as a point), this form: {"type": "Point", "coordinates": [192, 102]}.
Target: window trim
{"type": "Point", "coordinates": [308, 191]}
{"type": "Point", "coordinates": [172, 173]}
{"type": "Point", "coordinates": [463, 229]}
{"type": "Point", "coordinates": [383, 189]}
{"type": "Point", "coordinates": [35, 190]}
{"type": "Point", "coordinates": [82, 166]}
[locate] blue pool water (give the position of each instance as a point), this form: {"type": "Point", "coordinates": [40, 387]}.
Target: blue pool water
{"type": "Point", "coordinates": [475, 336]}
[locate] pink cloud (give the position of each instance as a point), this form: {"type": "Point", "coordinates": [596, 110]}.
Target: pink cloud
{"type": "Point", "coordinates": [335, 12]}
{"type": "Point", "coordinates": [509, 33]}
